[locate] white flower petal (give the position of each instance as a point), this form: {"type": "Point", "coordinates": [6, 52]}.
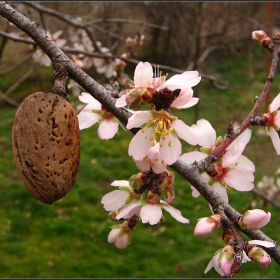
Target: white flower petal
{"type": "Point", "coordinates": [151, 214]}
{"type": "Point", "coordinates": [275, 104]}
{"type": "Point", "coordinates": [240, 180]}
{"type": "Point", "coordinates": [143, 75]}
{"type": "Point", "coordinates": [191, 157]}
{"type": "Point", "coordinates": [205, 133]}
{"type": "Point", "coordinates": [176, 214]}
{"type": "Point", "coordinates": [127, 209]}
{"type": "Point", "coordinates": [138, 118]}
{"type": "Point", "coordinates": [120, 183]}
{"type": "Point", "coordinates": [107, 129]}
{"type": "Point", "coordinates": [266, 244]}
{"type": "Point", "coordinates": [184, 132]}
{"type": "Point", "coordinates": [87, 118]}
{"type": "Point", "coordinates": [170, 154]}
{"type": "Point", "coordinates": [275, 139]}
{"type": "Point", "coordinates": [114, 200]}
{"type": "Point", "coordinates": [140, 144]}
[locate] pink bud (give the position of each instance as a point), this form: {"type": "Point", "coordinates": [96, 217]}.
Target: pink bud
{"type": "Point", "coordinates": [206, 225]}
{"type": "Point", "coordinates": [259, 35]}
{"type": "Point", "coordinates": [254, 219]}
{"type": "Point", "coordinates": [259, 255]}
{"type": "Point", "coordinates": [226, 259]}
{"type": "Point", "coordinates": [120, 235]}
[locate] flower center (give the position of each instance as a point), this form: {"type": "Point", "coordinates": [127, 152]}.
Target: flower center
{"type": "Point", "coordinates": [162, 123]}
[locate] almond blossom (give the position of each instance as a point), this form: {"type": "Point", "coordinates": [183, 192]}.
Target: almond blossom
{"type": "Point", "coordinates": [224, 270]}
{"type": "Point", "coordinates": [145, 85]}
{"type": "Point", "coordinates": [273, 122]}
{"type": "Point", "coordinates": [150, 210]}
{"type": "Point", "coordinates": [158, 127]}
{"type": "Point", "coordinates": [93, 113]}
{"type": "Point", "coordinates": [120, 235]}
{"type": "Point", "coordinates": [232, 169]}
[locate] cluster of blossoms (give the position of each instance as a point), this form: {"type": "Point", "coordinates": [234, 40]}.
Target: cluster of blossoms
{"type": "Point", "coordinates": [157, 144]}
{"type": "Point", "coordinates": [225, 260]}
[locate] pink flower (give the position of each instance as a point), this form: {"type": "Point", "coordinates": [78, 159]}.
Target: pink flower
{"type": "Point", "coordinates": [158, 127]}
{"type": "Point", "coordinates": [145, 85]}
{"type": "Point", "coordinates": [120, 235]}
{"type": "Point", "coordinates": [93, 113]}
{"type": "Point", "coordinates": [254, 219]}
{"type": "Point", "coordinates": [206, 225]}
{"type": "Point", "coordinates": [150, 210]}
{"type": "Point", "coordinates": [216, 260]}
{"type": "Point", "coordinates": [232, 170]}
{"type": "Point", "coordinates": [273, 122]}
{"type": "Point", "coordinates": [222, 261]}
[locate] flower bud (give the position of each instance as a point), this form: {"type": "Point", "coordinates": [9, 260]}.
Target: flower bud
{"type": "Point", "coordinates": [226, 259]}
{"type": "Point", "coordinates": [120, 235]}
{"type": "Point", "coordinates": [259, 255]}
{"type": "Point", "coordinates": [254, 219]}
{"type": "Point", "coordinates": [206, 225]}
{"type": "Point", "coordinates": [259, 35]}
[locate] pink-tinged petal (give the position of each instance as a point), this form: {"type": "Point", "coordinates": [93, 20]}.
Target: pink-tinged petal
{"type": "Point", "coordinates": [205, 133]}
{"type": "Point", "coordinates": [87, 118]}
{"type": "Point", "coordinates": [275, 139]}
{"type": "Point", "coordinates": [245, 164]}
{"type": "Point", "coordinates": [143, 165]}
{"type": "Point", "coordinates": [267, 244]}
{"type": "Point", "coordinates": [192, 102]}
{"type": "Point", "coordinates": [183, 98]}
{"type": "Point", "coordinates": [114, 200]}
{"type": "Point", "coordinates": [214, 263]}
{"type": "Point", "coordinates": [240, 180]}
{"type": "Point", "coordinates": [244, 137]}
{"type": "Point", "coordinates": [221, 191]}
{"type": "Point", "coordinates": [127, 209]}
{"type": "Point", "coordinates": [275, 104]}
{"type": "Point", "coordinates": [143, 75]}
{"type": "Point", "coordinates": [138, 118]}
{"type": "Point", "coordinates": [184, 132]}
{"type": "Point", "coordinates": [170, 154]}
{"type": "Point", "coordinates": [191, 157]}
{"type": "Point", "coordinates": [120, 183]}
{"type": "Point", "coordinates": [113, 235]}
{"type": "Point", "coordinates": [277, 119]}
{"type": "Point", "coordinates": [150, 214]}
{"type": "Point", "coordinates": [175, 213]}
{"type": "Point", "coordinates": [134, 211]}
{"type": "Point", "coordinates": [121, 102]}
{"type": "Point", "coordinates": [140, 144]}
{"type": "Point", "coordinates": [256, 218]}
{"type": "Point", "coordinates": [187, 79]}
{"type": "Point", "coordinates": [231, 156]}
{"type": "Point", "coordinates": [107, 129]}
{"type": "Point", "coordinates": [158, 166]}
{"type": "Point", "coordinates": [122, 241]}
{"type": "Point", "coordinates": [87, 98]}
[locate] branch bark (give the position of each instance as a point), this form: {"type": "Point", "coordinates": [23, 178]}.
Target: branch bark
{"type": "Point", "coordinates": [189, 172]}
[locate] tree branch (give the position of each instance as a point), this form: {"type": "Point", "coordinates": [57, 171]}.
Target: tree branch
{"type": "Point", "coordinates": [189, 172]}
